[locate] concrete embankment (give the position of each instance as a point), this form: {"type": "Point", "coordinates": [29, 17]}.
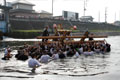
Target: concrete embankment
{"type": "Point", "coordinates": [107, 33]}
{"type": "Point", "coordinates": [24, 35]}
{"type": "Point", "coordinates": [19, 24]}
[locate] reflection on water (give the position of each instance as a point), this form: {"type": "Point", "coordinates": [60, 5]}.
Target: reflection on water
{"type": "Point", "coordinates": [16, 42]}
{"type": "Point", "coordinates": [83, 66]}
{"type": "Point", "coordinates": [97, 64]}
{"type": "Point", "coordinates": [13, 39]}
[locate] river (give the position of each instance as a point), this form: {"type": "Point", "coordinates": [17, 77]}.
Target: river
{"type": "Point", "coordinates": [96, 67]}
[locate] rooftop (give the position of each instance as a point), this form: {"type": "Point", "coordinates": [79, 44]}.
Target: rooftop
{"type": "Point", "coordinates": [22, 2]}
{"type": "Point", "coordinates": [86, 17]}
{"type": "Point", "coordinates": [45, 12]}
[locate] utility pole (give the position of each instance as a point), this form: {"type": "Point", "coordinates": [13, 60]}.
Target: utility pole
{"type": "Point", "coordinates": [115, 16]}
{"type": "Point", "coordinates": [52, 6]}
{"type": "Point", "coordinates": [106, 15]}
{"type": "Point", "coordinates": [6, 13]}
{"type": "Point", "coordinates": [4, 2]}
{"type": "Point", "coordinates": [119, 15]}
{"type": "Point", "coordinates": [99, 16]}
{"type": "Point", "coordinates": [84, 7]}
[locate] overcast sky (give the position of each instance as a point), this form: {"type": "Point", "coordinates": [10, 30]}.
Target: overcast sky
{"type": "Point", "coordinates": [93, 8]}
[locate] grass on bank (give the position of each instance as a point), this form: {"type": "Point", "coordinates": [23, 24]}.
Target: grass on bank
{"type": "Point", "coordinates": [104, 30]}
{"type": "Point", "coordinates": [74, 31]}
{"type": "Point", "coordinates": [27, 30]}
{"type": "Point", "coordinates": [77, 31]}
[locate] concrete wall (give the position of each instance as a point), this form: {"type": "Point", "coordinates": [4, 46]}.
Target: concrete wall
{"type": "Point", "coordinates": [43, 15]}
{"type": "Point", "coordinates": [28, 24]}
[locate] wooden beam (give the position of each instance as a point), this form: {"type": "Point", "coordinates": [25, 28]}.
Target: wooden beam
{"type": "Point", "coordinates": [49, 37]}
{"type": "Point", "coordinates": [72, 42]}
{"type": "Point", "coordinates": [58, 37]}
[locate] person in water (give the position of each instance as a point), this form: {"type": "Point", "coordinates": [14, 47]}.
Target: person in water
{"type": "Point", "coordinates": [7, 54]}
{"type": "Point", "coordinates": [45, 57]}
{"type": "Point", "coordinates": [33, 63]}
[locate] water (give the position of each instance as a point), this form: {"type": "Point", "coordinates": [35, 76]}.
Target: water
{"type": "Point", "coordinates": [97, 67]}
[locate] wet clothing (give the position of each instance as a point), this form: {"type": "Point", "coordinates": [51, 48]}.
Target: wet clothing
{"type": "Point", "coordinates": [55, 56]}
{"type": "Point", "coordinates": [6, 52]}
{"type": "Point", "coordinates": [88, 53]}
{"type": "Point", "coordinates": [108, 49]}
{"type": "Point", "coordinates": [76, 55]}
{"type": "Point", "coordinates": [21, 56]}
{"type": "Point", "coordinates": [32, 63]}
{"type": "Point", "coordinates": [44, 58]}
{"type": "Point", "coordinates": [61, 56]}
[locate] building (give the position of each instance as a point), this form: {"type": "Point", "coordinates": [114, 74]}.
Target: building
{"type": "Point", "coordinates": [9, 4]}
{"type": "Point", "coordinates": [45, 14]}
{"type": "Point", "coordinates": [67, 15]}
{"type": "Point", "coordinates": [86, 19]}
{"type": "Point", "coordinates": [23, 8]}
{"type": "Point", "coordinates": [58, 17]}
{"type": "Point", "coordinates": [117, 23]}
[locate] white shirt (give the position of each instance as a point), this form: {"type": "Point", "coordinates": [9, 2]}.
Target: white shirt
{"type": "Point", "coordinates": [6, 51]}
{"type": "Point", "coordinates": [88, 53]}
{"type": "Point", "coordinates": [44, 58]}
{"type": "Point", "coordinates": [33, 63]}
{"type": "Point", "coordinates": [81, 50]}
{"type": "Point", "coordinates": [77, 55]}
{"type": "Point", "coordinates": [65, 53]}
{"type": "Point", "coordinates": [51, 50]}
{"type": "Point", "coordinates": [55, 56]}
{"type": "Point", "coordinates": [97, 50]}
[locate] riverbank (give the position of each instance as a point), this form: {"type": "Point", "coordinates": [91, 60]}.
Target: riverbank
{"type": "Point", "coordinates": [28, 35]}
{"type": "Point", "coordinates": [30, 28]}
{"type": "Point", "coordinates": [113, 33]}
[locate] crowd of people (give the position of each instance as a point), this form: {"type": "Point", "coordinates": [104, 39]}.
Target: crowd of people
{"type": "Point", "coordinates": [58, 50]}
{"type": "Point", "coordinates": [43, 53]}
